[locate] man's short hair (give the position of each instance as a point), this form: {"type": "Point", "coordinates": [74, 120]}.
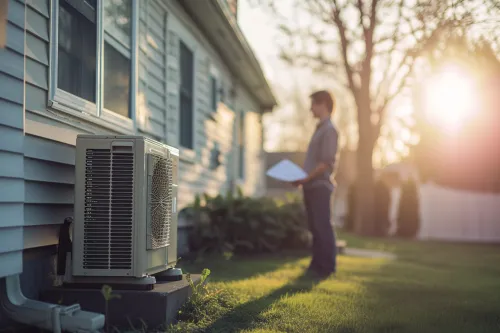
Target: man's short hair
{"type": "Point", "coordinates": [323, 97]}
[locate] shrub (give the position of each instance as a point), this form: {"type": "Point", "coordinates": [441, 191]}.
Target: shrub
{"type": "Point", "coordinates": [382, 205]}
{"type": "Point", "coordinates": [409, 211]}
{"type": "Point", "coordinates": [245, 225]}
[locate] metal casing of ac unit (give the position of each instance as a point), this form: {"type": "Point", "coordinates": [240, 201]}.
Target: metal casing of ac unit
{"type": "Point", "coordinates": [113, 180]}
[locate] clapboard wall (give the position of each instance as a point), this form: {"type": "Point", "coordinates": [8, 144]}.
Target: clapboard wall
{"type": "Point", "coordinates": [41, 162]}
{"type": "Point", "coordinates": [11, 142]}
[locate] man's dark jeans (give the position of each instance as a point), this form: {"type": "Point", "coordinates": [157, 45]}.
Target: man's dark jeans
{"type": "Point", "coordinates": [317, 202]}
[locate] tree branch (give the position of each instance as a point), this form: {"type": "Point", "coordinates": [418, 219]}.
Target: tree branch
{"type": "Point", "coordinates": [361, 6]}
{"type": "Point", "coordinates": [344, 46]}
{"type": "Point", "coordinates": [392, 49]}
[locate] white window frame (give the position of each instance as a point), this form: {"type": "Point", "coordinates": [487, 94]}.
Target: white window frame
{"type": "Point", "coordinates": [63, 101]}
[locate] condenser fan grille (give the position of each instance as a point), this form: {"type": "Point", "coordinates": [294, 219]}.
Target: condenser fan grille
{"type": "Point", "coordinates": [109, 182]}
{"type": "Point", "coordinates": [160, 201]}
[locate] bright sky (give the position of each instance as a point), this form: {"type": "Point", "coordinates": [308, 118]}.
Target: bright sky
{"type": "Point", "coordinates": [260, 30]}
{"type": "Point", "coordinates": [261, 33]}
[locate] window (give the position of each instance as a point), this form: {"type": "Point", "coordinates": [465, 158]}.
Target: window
{"type": "Point", "coordinates": [213, 81]}
{"type": "Point", "coordinates": [186, 96]}
{"type": "Point", "coordinates": [76, 50]}
{"type": "Point", "coordinates": [241, 146]}
{"type": "Point", "coordinates": [93, 58]}
{"type": "Point", "coordinates": [221, 93]}
{"type": "Point", "coordinates": [117, 56]}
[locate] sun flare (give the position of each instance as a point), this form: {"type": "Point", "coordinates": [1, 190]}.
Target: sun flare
{"type": "Point", "coordinates": [450, 97]}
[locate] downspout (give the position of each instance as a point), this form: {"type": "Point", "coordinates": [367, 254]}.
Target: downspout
{"type": "Point", "coordinates": [52, 317]}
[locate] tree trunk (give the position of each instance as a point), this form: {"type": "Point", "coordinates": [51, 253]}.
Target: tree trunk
{"type": "Point", "coordinates": [365, 190]}
{"type": "Point", "coordinates": [364, 168]}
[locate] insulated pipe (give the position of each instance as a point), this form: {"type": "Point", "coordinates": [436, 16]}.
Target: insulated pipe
{"type": "Point", "coordinates": [47, 316]}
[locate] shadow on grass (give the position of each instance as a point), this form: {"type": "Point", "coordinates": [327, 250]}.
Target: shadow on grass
{"type": "Point", "coordinates": [223, 270]}
{"type": "Point", "coordinates": [248, 315]}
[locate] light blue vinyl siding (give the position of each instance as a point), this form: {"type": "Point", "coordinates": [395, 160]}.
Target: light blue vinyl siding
{"type": "Point", "coordinates": [12, 88]}
{"type": "Point", "coordinates": [152, 70]}
{"type": "Point", "coordinates": [12, 63]}
{"type": "Point", "coordinates": [48, 164]}
{"type": "Point", "coordinates": [49, 181]}
{"type": "Point", "coordinates": [11, 142]}
{"type": "Point", "coordinates": [12, 113]}
{"type": "Point", "coordinates": [46, 154]}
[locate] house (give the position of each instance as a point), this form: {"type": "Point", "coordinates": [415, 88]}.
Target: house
{"type": "Point", "coordinates": [180, 72]}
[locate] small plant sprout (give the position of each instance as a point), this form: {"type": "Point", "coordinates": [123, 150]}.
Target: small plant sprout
{"type": "Point", "coordinates": [107, 293]}
{"type": "Point", "coordinates": [228, 255]}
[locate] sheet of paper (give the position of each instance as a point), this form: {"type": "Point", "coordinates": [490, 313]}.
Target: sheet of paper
{"type": "Point", "coordinates": [286, 171]}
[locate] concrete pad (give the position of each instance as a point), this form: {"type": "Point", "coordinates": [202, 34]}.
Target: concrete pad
{"type": "Point", "coordinates": [133, 309]}
{"type": "Point", "coordinates": [369, 253]}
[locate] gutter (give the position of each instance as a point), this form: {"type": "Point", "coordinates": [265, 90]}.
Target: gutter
{"type": "Point", "coordinates": [225, 12]}
{"type": "Point", "coordinates": [52, 317]}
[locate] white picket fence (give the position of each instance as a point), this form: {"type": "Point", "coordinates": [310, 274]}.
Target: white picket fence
{"type": "Point", "coordinates": [453, 215]}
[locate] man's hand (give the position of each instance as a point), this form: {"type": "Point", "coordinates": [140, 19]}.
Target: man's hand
{"type": "Point", "coordinates": [300, 182]}
{"type": "Point", "coordinates": [319, 170]}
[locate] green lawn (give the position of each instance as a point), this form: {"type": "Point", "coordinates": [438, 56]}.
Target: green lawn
{"type": "Point", "coordinates": [431, 287]}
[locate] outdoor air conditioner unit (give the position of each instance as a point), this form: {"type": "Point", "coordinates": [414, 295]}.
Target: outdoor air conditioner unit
{"type": "Point", "coordinates": [125, 223]}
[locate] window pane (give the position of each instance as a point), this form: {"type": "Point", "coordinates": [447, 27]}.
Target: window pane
{"type": "Point", "coordinates": [241, 144]}
{"type": "Point", "coordinates": [241, 130]}
{"type": "Point", "coordinates": [186, 119]}
{"type": "Point", "coordinates": [91, 3]}
{"type": "Point", "coordinates": [241, 162]}
{"type": "Point", "coordinates": [117, 55]}
{"type": "Point", "coordinates": [186, 96]}
{"type": "Point", "coordinates": [77, 51]}
{"type": "Point", "coordinates": [118, 20]}
{"type": "Point", "coordinates": [116, 81]}
{"type": "Point", "coordinates": [186, 56]}
{"type": "Point", "coordinates": [214, 94]}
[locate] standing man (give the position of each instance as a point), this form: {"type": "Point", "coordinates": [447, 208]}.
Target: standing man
{"type": "Point", "coordinates": [318, 185]}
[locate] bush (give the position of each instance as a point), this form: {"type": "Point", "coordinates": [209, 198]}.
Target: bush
{"type": "Point", "coordinates": [382, 205]}
{"type": "Point", "coordinates": [409, 211]}
{"type": "Point", "coordinates": [244, 225]}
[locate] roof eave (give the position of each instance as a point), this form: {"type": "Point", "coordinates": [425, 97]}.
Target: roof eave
{"type": "Point", "coordinates": [215, 17]}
